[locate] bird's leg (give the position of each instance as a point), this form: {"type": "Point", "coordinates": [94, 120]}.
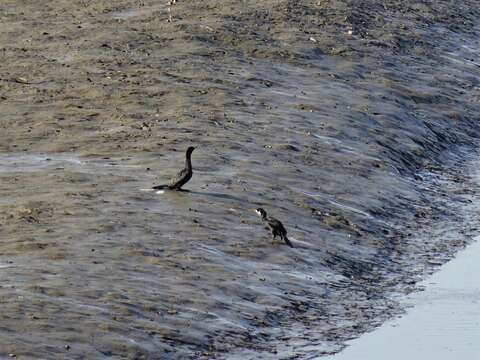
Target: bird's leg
{"type": "Point", "coordinates": [274, 237]}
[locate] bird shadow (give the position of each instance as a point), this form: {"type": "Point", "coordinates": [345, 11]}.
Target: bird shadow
{"type": "Point", "coordinates": [217, 195]}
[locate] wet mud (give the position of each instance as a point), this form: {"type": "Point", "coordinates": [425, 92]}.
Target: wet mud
{"type": "Point", "coordinates": [353, 122]}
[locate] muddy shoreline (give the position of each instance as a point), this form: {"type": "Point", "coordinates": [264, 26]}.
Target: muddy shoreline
{"type": "Point", "coordinates": [353, 121]}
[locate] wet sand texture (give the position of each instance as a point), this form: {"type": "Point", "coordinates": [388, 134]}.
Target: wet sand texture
{"type": "Point", "coordinates": [348, 120]}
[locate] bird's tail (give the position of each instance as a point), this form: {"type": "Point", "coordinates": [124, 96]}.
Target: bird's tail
{"type": "Point", "coordinates": [288, 242]}
{"type": "Point", "coordinates": [160, 187]}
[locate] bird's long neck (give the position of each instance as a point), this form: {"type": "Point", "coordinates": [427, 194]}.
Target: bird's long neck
{"type": "Point", "coordinates": [188, 161]}
{"type": "Point", "coordinates": [264, 217]}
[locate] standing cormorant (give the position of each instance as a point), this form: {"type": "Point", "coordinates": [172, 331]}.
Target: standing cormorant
{"type": "Point", "coordinates": [183, 176]}
{"type": "Point", "coordinates": [275, 226]}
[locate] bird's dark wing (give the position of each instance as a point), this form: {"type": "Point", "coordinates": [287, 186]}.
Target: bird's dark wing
{"type": "Point", "coordinates": [174, 182]}
{"type": "Point", "coordinates": [276, 224]}
{"type": "Point", "coordinates": [178, 178]}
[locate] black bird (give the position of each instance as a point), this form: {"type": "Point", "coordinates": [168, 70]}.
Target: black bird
{"type": "Point", "coordinates": [182, 177]}
{"type": "Point", "coordinates": [275, 226]}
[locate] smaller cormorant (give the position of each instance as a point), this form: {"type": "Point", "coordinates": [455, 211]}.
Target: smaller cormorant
{"type": "Point", "coordinates": [183, 176]}
{"type": "Point", "coordinates": [275, 226]}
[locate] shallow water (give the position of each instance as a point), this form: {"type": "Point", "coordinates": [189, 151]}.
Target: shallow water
{"type": "Point", "coordinates": [139, 12]}
{"type": "Point", "coordinates": [442, 322]}
{"type": "Point", "coordinates": [36, 162]}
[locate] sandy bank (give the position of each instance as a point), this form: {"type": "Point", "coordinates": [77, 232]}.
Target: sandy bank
{"type": "Point", "coordinates": [350, 120]}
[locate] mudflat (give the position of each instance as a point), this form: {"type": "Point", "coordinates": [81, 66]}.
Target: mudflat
{"type": "Point", "coordinates": [352, 122]}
